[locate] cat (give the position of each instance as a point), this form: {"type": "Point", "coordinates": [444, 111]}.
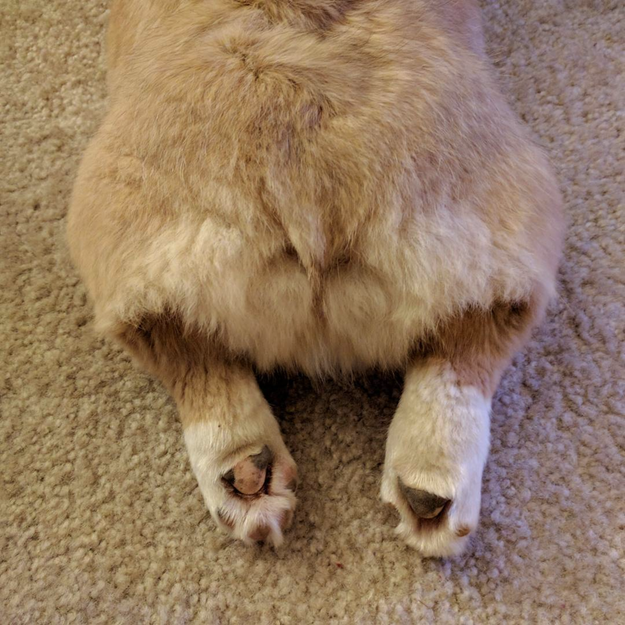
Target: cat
{"type": "Point", "coordinates": [322, 186]}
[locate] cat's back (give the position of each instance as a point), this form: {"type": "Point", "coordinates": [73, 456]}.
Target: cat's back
{"type": "Point", "coordinates": [300, 174]}
{"type": "Point", "coordinates": [318, 111]}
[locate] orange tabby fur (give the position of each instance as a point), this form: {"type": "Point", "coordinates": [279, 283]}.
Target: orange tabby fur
{"type": "Point", "coordinates": [319, 185]}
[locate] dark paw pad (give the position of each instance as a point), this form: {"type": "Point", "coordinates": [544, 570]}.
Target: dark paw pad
{"type": "Point", "coordinates": [425, 505]}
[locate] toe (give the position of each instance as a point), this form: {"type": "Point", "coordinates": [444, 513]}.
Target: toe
{"type": "Point", "coordinates": [286, 519]}
{"type": "Point", "coordinates": [261, 533]}
{"type": "Point", "coordinates": [425, 505]}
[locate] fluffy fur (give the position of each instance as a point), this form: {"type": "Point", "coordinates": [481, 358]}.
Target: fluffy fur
{"type": "Point", "coordinates": [449, 437]}
{"type": "Point", "coordinates": [324, 186]}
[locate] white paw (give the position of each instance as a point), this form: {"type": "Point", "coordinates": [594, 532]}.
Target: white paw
{"type": "Point", "coordinates": [248, 487]}
{"type": "Point", "coordinates": [435, 455]}
{"type": "Point", "coordinates": [437, 520]}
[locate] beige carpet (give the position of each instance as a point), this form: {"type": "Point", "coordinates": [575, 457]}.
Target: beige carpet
{"type": "Point", "coordinates": [100, 518]}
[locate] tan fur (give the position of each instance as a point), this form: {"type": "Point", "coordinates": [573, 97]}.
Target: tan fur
{"type": "Point", "coordinates": [384, 146]}
{"type": "Point", "coordinates": [479, 343]}
{"type": "Point", "coordinates": [186, 361]}
{"type": "Point", "coordinates": [323, 185]}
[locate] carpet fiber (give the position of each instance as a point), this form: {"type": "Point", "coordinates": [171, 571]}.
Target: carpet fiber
{"type": "Point", "coordinates": [100, 517]}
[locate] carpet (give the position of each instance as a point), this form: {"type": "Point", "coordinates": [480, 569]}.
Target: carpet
{"type": "Point", "coordinates": [100, 517]}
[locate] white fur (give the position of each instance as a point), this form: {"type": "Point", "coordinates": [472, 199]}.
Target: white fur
{"type": "Point", "coordinates": [214, 449]}
{"type": "Point", "coordinates": [264, 309]}
{"type": "Point", "coordinates": [438, 442]}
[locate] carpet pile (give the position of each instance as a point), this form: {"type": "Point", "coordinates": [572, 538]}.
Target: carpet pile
{"type": "Point", "coordinates": [100, 517]}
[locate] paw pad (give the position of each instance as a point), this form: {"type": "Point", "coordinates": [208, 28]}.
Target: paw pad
{"type": "Point", "coordinates": [425, 505]}
{"type": "Point", "coordinates": [251, 475]}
